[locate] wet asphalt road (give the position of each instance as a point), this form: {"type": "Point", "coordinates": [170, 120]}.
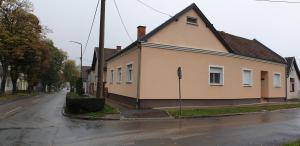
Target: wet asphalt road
{"type": "Point", "coordinates": [38, 122]}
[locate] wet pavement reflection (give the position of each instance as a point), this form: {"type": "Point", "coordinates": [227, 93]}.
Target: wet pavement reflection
{"type": "Point", "coordinates": [43, 124]}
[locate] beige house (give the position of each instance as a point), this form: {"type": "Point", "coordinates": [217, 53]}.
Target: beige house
{"type": "Point", "coordinates": [218, 68]}
{"type": "Point", "coordinates": [293, 79]}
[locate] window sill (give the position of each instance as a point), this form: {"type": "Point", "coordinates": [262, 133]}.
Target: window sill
{"type": "Point", "coordinates": [129, 82]}
{"type": "Point", "coordinates": [277, 86]}
{"type": "Point", "coordinates": [216, 84]}
{"type": "Point", "coordinates": [119, 82]}
{"type": "Point", "coordinates": [194, 24]}
{"type": "Point", "coordinates": [247, 85]}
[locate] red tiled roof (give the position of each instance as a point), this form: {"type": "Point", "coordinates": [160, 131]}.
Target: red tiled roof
{"type": "Point", "coordinates": [251, 48]}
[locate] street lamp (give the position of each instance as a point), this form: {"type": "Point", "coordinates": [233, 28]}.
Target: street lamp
{"type": "Point", "coordinates": [81, 74]}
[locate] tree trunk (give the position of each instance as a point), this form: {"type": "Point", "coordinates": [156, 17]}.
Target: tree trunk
{"type": "Point", "coordinates": [14, 83]}
{"type": "Point", "coordinates": [4, 78]}
{"type": "Point", "coordinates": [14, 74]}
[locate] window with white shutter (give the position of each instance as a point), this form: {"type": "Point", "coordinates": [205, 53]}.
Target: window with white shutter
{"type": "Point", "coordinates": [277, 80]}
{"type": "Point", "coordinates": [247, 77]}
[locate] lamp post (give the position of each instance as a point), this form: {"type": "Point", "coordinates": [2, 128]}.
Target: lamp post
{"type": "Point", "coordinates": [81, 73]}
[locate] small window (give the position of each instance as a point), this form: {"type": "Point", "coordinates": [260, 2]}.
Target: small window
{"type": "Point", "coordinates": [247, 77]}
{"type": "Point", "coordinates": [216, 75]}
{"type": "Point", "coordinates": [292, 85]}
{"type": "Point", "coordinates": [111, 76]}
{"type": "Point", "coordinates": [192, 20]}
{"type": "Point", "coordinates": [277, 80]}
{"type": "Point", "coordinates": [119, 75]}
{"type": "Point", "coordinates": [129, 73]}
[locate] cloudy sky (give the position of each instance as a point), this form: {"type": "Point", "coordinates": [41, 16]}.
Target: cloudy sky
{"type": "Point", "coordinates": [277, 25]}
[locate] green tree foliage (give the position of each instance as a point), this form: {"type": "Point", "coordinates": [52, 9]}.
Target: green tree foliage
{"type": "Point", "coordinates": [24, 48]}
{"type": "Point", "coordinates": [20, 36]}
{"type": "Point", "coordinates": [52, 75]}
{"type": "Point", "coordinates": [71, 73]}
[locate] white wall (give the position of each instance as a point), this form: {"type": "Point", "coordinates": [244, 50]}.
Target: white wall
{"type": "Point", "coordinates": [296, 94]}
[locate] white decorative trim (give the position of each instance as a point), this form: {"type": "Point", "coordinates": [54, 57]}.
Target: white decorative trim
{"type": "Point", "coordinates": [205, 51]}
{"type": "Point", "coordinates": [246, 69]}
{"type": "Point", "coordinates": [223, 75]}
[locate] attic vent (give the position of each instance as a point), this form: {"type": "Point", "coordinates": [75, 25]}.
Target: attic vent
{"type": "Point", "coordinates": [191, 20]}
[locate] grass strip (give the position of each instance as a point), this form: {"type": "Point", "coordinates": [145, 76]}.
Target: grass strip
{"type": "Point", "coordinates": [227, 110]}
{"type": "Point", "coordinates": [107, 110]}
{"type": "Point", "coordinates": [295, 143]}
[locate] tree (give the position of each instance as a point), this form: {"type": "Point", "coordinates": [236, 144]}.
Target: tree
{"type": "Point", "coordinates": [52, 71]}
{"type": "Point", "coordinates": [71, 73]}
{"type": "Point", "coordinates": [20, 36]}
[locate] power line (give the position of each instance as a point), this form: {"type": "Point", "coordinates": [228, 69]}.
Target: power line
{"type": "Point", "coordinates": [89, 36]}
{"type": "Point", "coordinates": [122, 21]}
{"type": "Point", "coordinates": [158, 11]}
{"type": "Point", "coordinates": [281, 1]}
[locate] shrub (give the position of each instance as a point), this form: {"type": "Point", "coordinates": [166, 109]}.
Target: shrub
{"type": "Point", "coordinates": [83, 104]}
{"type": "Point", "coordinates": [79, 87]}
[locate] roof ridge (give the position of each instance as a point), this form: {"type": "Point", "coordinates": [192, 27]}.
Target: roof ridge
{"type": "Point", "coordinates": [270, 50]}
{"type": "Point", "coordinates": [233, 35]}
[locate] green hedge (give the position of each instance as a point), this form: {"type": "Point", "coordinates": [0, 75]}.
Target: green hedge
{"type": "Point", "coordinates": [83, 104]}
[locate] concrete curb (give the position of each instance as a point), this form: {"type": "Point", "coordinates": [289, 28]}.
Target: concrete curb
{"type": "Point", "coordinates": [87, 117]}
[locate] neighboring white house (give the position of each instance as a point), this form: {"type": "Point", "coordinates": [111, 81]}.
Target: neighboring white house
{"type": "Point", "coordinates": [85, 73]}
{"type": "Point", "coordinates": [22, 84]}
{"type": "Point", "coordinates": [293, 79]}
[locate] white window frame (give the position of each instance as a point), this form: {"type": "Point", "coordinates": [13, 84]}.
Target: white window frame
{"type": "Point", "coordinates": [119, 76]}
{"type": "Point", "coordinates": [129, 81]}
{"type": "Point", "coordinates": [251, 77]}
{"type": "Point", "coordinates": [274, 74]}
{"type": "Point", "coordinates": [112, 76]}
{"type": "Point", "coordinates": [223, 73]}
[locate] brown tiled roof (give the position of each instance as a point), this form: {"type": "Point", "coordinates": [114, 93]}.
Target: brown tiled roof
{"type": "Point", "coordinates": [251, 48]}
{"type": "Point", "coordinates": [107, 54]}
{"type": "Point", "coordinates": [290, 62]}
{"type": "Point", "coordinates": [85, 70]}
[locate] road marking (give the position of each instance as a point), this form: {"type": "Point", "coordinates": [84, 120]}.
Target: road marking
{"type": "Point", "coordinates": [13, 110]}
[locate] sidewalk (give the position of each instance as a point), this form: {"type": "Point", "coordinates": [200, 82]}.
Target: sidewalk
{"type": "Point", "coordinates": [17, 98]}
{"type": "Point", "coordinates": [138, 114]}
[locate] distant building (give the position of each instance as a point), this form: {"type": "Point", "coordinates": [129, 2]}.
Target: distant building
{"type": "Point", "coordinates": [85, 73]}
{"type": "Point", "coordinates": [93, 71]}
{"type": "Point", "coordinates": [293, 79]}
{"type": "Point", "coordinates": [22, 83]}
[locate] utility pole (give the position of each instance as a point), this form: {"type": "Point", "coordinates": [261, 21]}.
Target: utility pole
{"type": "Point", "coordinates": [81, 71]}
{"type": "Point", "coordinates": [100, 86]}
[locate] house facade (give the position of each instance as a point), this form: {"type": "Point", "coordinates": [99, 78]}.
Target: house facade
{"type": "Point", "coordinates": [85, 73]}
{"type": "Point", "coordinates": [293, 79]}
{"type": "Point", "coordinates": [93, 71]}
{"type": "Point", "coordinates": [218, 68]}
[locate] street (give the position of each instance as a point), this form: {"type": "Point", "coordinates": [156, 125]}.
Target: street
{"type": "Point", "coordinates": [38, 122]}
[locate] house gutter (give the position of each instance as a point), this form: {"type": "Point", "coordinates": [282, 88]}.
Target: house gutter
{"type": "Point", "coordinates": [138, 105]}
